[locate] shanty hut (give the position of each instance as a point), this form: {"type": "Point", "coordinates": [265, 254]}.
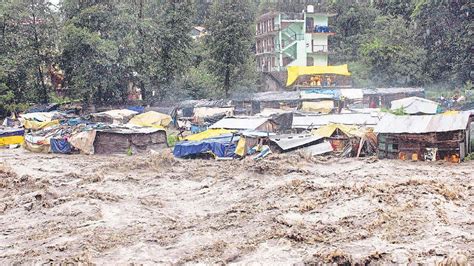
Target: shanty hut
{"type": "Point", "coordinates": [382, 97]}
{"type": "Point", "coordinates": [250, 104]}
{"type": "Point", "coordinates": [122, 140]}
{"type": "Point", "coordinates": [246, 123]}
{"type": "Point", "coordinates": [426, 137]}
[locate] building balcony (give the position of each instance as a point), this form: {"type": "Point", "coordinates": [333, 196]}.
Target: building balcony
{"type": "Point", "coordinates": [323, 30]}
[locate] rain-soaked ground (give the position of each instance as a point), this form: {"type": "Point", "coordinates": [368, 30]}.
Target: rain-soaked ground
{"type": "Point", "coordinates": [286, 209]}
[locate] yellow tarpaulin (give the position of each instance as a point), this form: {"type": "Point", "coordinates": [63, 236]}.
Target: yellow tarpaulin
{"type": "Point", "coordinates": [240, 149]}
{"type": "Point", "coordinates": [4, 141]}
{"type": "Point", "coordinates": [322, 106]}
{"type": "Point", "coordinates": [151, 119]}
{"type": "Point", "coordinates": [295, 71]}
{"type": "Point", "coordinates": [327, 130]}
{"type": "Point", "coordinates": [28, 124]}
{"type": "Point", "coordinates": [208, 134]}
{"type": "Point", "coordinates": [451, 112]}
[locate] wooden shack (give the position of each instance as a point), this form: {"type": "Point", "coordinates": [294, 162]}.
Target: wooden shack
{"type": "Point", "coordinates": [424, 137]}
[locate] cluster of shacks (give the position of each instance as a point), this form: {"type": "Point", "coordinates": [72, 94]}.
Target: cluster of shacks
{"type": "Point", "coordinates": [388, 122]}
{"type": "Point", "coordinates": [62, 131]}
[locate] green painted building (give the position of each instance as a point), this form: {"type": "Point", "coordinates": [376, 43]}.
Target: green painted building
{"type": "Point", "coordinates": [292, 39]}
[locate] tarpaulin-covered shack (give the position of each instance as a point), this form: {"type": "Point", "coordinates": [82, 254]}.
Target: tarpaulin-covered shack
{"type": "Point", "coordinates": [424, 137]}
{"type": "Point", "coordinates": [121, 140]}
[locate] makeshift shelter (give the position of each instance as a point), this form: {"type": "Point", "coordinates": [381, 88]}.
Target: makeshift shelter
{"type": "Point", "coordinates": [246, 123]}
{"type": "Point", "coordinates": [415, 105]}
{"type": "Point", "coordinates": [249, 140]}
{"type": "Point", "coordinates": [11, 136]}
{"type": "Point", "coordinates": [249, 104]}
{"type": "Point", "coordinates": [382, 97]}
{"type": "Point", "coordinates": [283, 118]}
{"type": "Point", "coordinates": [349, 140]}
{"type": "Point", "coordinates": [150, 119]}
{"type": "Point", "coordinates": [122, 140]}
{"type": "Point", "coordinates": [55, 139]}
{"type": "Point", "coordinates": [330, 129]}
{"type": "Point", "coordinates": [223, 146]}
{"type": "Point", "coordinates": [427, 137]}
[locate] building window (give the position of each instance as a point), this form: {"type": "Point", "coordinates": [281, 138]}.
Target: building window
{"type": "Point", "coordinates": [309, 61]}
{"type": "Point", "coordinates": [309, 25]}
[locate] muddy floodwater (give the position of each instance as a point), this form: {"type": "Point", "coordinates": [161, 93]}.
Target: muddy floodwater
{"type": "Point", "coordinates": [287, 209]}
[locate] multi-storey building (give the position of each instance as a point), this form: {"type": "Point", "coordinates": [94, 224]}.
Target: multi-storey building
{"type": "Point", "coordinates": [292, 39]}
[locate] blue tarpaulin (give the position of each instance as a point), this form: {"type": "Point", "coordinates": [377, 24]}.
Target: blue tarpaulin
{"type": "Point", "coordinates": [197, 128]}
{"type": "Point", "coordinates": [138, 109]}
{"type": "Point", "coordinates": [60, 146]}
{"type": "Point", "coordinates": [221, 147]}
{"type": "Point", "coordinates": [334, 93]}
{"type": "Point", "coordinates": [8, 132]}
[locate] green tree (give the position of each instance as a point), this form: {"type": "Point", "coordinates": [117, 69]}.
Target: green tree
{"type": "Point", "coordinates": [174, 44]}
{"type": "Point", "coordinates": [28, 30]}
{"type": "Point", "coordinates": [390, 55]}
{"type": "Point", "coordinates": [97, 54]}
{"type": "Point", "coordinates": [230, 42]}
{"type": "Point", "coordinates": [444, 30]}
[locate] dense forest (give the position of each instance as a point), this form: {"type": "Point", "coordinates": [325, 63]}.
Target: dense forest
{"type": "Point", "coordinates": [96, 51]}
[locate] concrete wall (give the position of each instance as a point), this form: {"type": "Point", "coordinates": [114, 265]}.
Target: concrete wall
{"type": "Point", "coordinates": [320, 59]}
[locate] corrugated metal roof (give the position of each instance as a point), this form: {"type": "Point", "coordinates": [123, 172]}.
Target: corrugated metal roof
{"type": "Point", "coordinates": [345, 119]}
{"type": "Point", "coordinates": [318, 149]}
{"type": "Point", "coordinates": [268, 96]}
{"type": "Point", "coordinates": [286, 142]}
{"type": "Point", "coordinates": [391, 90]}
{"type": "Point", "coordinates": [415, 105]}
{"type": "Point", "coordinates": [239, 123]}
{"type": "Point", "coordinates": [422, 123]}
{"type": "Point", "coordinates": [204, 103]}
